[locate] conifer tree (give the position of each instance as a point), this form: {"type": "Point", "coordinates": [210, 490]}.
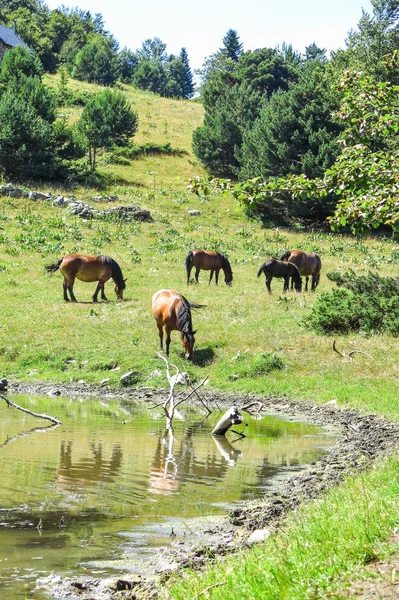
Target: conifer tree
{"type": "Point", "coordinates": [232, 45]}
{"type": "Point", "coordinates": [188, 86]}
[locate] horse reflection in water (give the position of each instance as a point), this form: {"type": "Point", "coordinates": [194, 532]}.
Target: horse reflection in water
{"type": "Point", "coordinates": [86, 471]}
{"type": "Point", "coordinates": [170, 468]}
{"type": "Point", "coordinates": [164, 471]}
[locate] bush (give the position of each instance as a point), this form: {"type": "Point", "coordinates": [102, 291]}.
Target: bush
{"type": "Point", "coordinates": [148, 149]}
{"type": "Point", "coordinates": [369, 304]}
{"type": "Point", "coordinates": [247, 365]}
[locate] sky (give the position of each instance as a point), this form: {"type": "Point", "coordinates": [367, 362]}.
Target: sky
{"type": "Point", "coordinates": [200, 28]}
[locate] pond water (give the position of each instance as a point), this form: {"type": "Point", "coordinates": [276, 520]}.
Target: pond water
{"type": "Point", "coordinates": [111, 483]}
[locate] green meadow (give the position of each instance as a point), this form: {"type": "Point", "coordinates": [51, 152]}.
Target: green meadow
{"type": "Point", "coordinates": [247, 341]}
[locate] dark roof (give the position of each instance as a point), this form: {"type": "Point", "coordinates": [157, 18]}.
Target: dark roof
{"type": "Point", "coordinates": [9, 37]}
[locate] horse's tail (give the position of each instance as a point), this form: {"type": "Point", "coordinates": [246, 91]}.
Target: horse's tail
{"type": "Point", "coordinates": [189, 262]}
{"type": "Point", "coordinates": [191, 304]}
{"type": "Point", "coordinates": [261, 269]}
{"type": "Point", "coordinates": [54, 267]}
{"type": "Point", "coordinates": [286, 255]}
{"type": "Point", "coordinates": [195, 305]}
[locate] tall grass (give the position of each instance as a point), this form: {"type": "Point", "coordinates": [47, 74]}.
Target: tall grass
{"type": "Point", "coordinates": [321, 549]}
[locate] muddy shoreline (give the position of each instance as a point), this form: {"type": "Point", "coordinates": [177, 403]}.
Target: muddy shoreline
{"type": "Point", "coordinates": [361, 439]}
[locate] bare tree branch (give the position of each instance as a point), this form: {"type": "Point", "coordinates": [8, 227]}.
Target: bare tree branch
{"type": "Point", "coordinates": [350, 354]}
{"type": "Point", "coordinates": [29, 412]}
{"type": "Point", "coordinates": [170, 403]}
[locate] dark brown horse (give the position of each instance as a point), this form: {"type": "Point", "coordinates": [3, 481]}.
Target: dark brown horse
{"type": "Point", "coordinates": [208, 261]}
{"type": "Point", "coordinates": [307, 264]}
{"type": "Point", "coordinates": [89, 268]}
{"type": "Point", "coordinates": [172, 311]}
{"type": "Point", "coordinates": [277, 268]}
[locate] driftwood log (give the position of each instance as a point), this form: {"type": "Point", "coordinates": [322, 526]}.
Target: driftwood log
{"type": "Point", "coordinates": [230, 417]}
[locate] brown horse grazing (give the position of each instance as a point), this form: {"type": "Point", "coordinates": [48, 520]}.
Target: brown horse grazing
{"type": "Point", "coordinates": [308, 265]}
{"type": "Point", "coordinates": [277, 268]}
{"type": "Point", "coordinates": [89, 268]}
{"type": "Point", "coordinates": [208, 261]}
{"type": "Point", "coordinates": [172, 311]}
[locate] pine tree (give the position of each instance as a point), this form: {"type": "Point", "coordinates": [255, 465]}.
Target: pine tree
{"type": "Point", "coordinates": [232, 45]}
{"type": "Point", "coordinates": [188, 85]}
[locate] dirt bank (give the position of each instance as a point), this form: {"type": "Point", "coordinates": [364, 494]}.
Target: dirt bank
{"type": "Point", "coordinates": [361, 439]}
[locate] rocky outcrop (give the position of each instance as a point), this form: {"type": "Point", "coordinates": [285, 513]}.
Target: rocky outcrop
{"type": "Point", "coordinates": [80, 208]}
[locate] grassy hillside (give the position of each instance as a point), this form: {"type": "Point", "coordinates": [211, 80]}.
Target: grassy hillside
{"type": "Point", "coordinates": [242, 327]}
{"type": "Point", "coordinates": [161, 120]}
{"type": "Point", "coordinates": [240, 332]}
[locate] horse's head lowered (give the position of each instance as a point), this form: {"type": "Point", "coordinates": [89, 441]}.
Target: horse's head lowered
{"type": "Point", "coordinates": [119, 289]}
{"type": "Point", "coordinates": [188, 341]}
{"type": "Point", "coordinates": [228, 273]}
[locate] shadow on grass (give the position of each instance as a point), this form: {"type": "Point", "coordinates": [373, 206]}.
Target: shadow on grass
{"type": "Point", "coordinates": [203, 357]}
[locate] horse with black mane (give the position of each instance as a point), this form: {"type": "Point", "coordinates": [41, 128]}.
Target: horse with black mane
{"type": "Point", "coordinates": [277, 268]}
{"type": "Point", "coordinates": [173, 311]}
{"type": "Point", "coordinates": [89, 268]}
{"type": "Point", "coordinates": [308, 264]}
{"type": "Point", "coordinates": [208, 261]}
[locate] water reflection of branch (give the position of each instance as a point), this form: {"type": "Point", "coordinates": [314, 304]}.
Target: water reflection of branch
{"type": "Point", "coordinates": [29, 412]}
{"type": "Point", "coordinates": [229, 453]}
{"type": "Point", "coordinates": [25, 433]}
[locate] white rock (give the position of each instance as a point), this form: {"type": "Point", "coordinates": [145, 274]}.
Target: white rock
{"type": "Point", "coordinates": [258, 536]}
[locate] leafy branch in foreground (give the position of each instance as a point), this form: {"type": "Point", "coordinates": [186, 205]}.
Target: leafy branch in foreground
{"type": "Point", "coordinates": [364, 177]}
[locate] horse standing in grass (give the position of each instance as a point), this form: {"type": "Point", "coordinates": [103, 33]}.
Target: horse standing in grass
{"type": "Point", "coordinates": [307, 264]}
{"type": "Point", "coordinates": [173, 311]}
{"type": "Point", "coordinates": [208, 261]}
{"type": "Point", "coordinates": [277, 268]}
{"type": "Point", "coordinates": [89, 268]}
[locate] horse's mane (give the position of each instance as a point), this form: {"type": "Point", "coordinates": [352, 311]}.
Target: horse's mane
{"type": "Point", "coordinates": [226, 266]}
{"type": "Point", "coordinates": [116, 271]}
{"type": "Point", "coordinates": [184, 321]}
{"type": "Point", "coordinates": [286, 255]}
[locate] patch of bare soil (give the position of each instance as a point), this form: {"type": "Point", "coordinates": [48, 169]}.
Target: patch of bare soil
{"type": "Point", "coordinates": [380, 579]}
{"type": "Point", "coordinates": [361, 439]}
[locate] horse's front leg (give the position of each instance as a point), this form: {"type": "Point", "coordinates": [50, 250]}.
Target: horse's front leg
{"type": "Point", "coordinates": [102, 290]}
{"type": "Point", "coordinates": [306, 284]}
{"type": "Point", "coordinates": [197, 270]}
{"type": "Point", "coordinates": [211, 275]}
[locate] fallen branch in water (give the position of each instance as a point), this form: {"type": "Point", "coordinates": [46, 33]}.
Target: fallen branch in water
{"type": "Point", "coordinates": [29, 412]}
{"type": "Point", "coordinates": [170, 403]}
{"type": "Point", "coordinates": [254, 406]}
{"type": "Point", "coordinates": [350, 354]}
